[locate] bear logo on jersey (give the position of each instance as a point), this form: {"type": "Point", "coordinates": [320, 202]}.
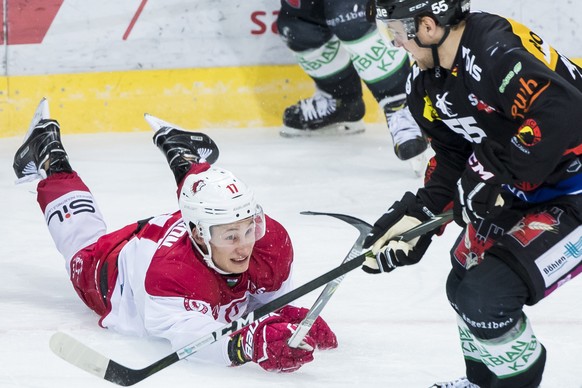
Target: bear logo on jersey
{"type": "Point", "coordinates": [529, 134]}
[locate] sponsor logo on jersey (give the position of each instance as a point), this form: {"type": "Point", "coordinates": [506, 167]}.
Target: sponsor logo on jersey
{"type": "Point", "coordinates": [470, 66]}
{"type": "Point", "coordinates": [70, 207]}
{"type": "Point", "coordinates": [529, 134]}
{"type": "Point", "coordinates": [528, 93]}
{"type": "Point", "coordinates": [480, 104]}
{"type": "Point", "coordinates": [561, 259]}
{"type": "Point", "coordinates": [444, 106]}
{"type": "Point", "coordinates": [197, 305]}
{"type": "Point", "coordinates": [512, 73]}
{"type": "Point", "coordinates": [534, 225]}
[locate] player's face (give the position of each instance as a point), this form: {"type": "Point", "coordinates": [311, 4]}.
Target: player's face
{"type": "Point", "coordinates": [232, 245]}
{"type": "Point", "coordinates": [421, 55]}
{"type": "Point", "coordinates": [403, 33]}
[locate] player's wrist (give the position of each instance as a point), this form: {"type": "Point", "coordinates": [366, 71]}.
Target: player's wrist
{"type": "Point", "coordinates": [235, 351]}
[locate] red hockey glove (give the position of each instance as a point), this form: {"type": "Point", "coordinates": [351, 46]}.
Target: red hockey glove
{"type": "Point", "coordinates": [320, 332]}
{"type": "Point", "coordinates": [265, 342]}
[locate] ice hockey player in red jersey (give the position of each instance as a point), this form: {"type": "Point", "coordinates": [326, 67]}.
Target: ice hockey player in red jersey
{"type": "Point", "coordinates": [175, 276]}
{"type": "Point", "coordinates": [502, 109]}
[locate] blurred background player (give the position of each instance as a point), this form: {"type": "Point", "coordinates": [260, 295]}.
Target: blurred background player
{"type": "Point", "coordinates": [176, 276]}
{"type": "Point", "coordinates": [338, 48]}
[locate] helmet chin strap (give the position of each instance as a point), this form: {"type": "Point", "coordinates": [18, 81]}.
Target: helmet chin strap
{"type": "Point", "coordinates": [434, 49]}
{"type": "Point", "coordinates": [208, 258]}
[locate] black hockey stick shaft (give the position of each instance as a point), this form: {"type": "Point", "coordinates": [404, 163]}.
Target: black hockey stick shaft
{"type": "Point", "coordinates": [364, 228]}
{"type": "Point", "coordinates": [85, 358]}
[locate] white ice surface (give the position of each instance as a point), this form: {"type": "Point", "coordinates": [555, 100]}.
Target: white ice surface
{"type": "Point", "coordinates": [394, 330]}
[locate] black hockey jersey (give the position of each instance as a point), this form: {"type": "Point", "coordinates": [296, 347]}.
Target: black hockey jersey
{"type": "Point", "coordinates": [510, 86]}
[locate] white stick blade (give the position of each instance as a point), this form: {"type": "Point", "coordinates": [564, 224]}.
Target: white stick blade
{"type": "Point", "coordinates": [78, 354]}
{"type": "Point", "coordinates": [157, 123]}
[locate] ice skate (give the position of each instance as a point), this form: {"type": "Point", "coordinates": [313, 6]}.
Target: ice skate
{"type": "Point", "coordinates": [458, 383]}
{"type": "Point", "coordinates": [323, 115]}
{"type": "Point", "coordinates": [42, 152]}
{"type": "Point", "coordinates": [182, 148]}
{"type": "Point", "coordinates": [409, 142]}
{"type": "Point", "coordinates": [406, 135]}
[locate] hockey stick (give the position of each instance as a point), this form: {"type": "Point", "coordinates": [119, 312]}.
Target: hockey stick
{"type": "Point", "coordinates": [305, 325]}
{"type": "Point", "coordinates": [82, 356]}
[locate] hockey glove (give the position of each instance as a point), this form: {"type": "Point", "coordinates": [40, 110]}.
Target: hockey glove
{"type": "Point", "coordinates": [265, 343]}
{"type": "Point", "coordinates": [479, 191]}
{"type": "Point", "coordinates": [320, 332]}
{"type": "Point", "coordinates": [389, 254]}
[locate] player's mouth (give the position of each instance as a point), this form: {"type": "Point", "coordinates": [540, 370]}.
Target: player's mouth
{"type": "Point", "coordinates": [240, 260]}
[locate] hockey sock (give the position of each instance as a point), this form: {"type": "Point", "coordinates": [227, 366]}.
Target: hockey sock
{"type": "Point", "coordinates": [476, 371]}
{"type": "Point", "coordinates": [383, 67]}
{"type": "Point", "coordinates": [331, 69]}
{"type": "Point", "coordinates": [516, 358]}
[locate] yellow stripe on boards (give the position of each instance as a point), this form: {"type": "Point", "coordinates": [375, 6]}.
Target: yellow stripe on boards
{"type": "Point", "coordinates": [231, 97]}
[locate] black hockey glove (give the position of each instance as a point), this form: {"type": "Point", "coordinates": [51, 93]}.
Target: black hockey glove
{"type": "Point", "coordinates": [389, 254]}
{"type": "Point", "coordinates": [479, 191]}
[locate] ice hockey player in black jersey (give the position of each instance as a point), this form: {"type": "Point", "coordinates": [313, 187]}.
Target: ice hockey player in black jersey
{"type": "Point", "coordinates": [503, 111]}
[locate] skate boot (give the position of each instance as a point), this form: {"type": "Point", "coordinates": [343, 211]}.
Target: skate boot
{"type": "Point", "coordinates": [42, 152]}
{"type": "Point", "coordinates": [406, 135]}
{"type": "Point", "coordinates": [182, 148]}
{"type": "Point", "coordinates": [324, 115]}
{"type": "Point", "coordinates": [458, 383]}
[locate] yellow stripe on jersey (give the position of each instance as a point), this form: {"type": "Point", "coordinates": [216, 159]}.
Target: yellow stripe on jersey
{"type": "Point", "coordinates": [535, 45]}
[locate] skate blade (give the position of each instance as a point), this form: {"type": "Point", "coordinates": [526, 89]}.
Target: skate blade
{"type": "Point", "coordinates": [41, 113]}
{"type": "Point", "coordinates": [338, 129]}
{"type": "Point", "coordinates": [156, 123]}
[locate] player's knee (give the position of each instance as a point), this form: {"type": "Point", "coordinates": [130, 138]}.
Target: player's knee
{"type": "Point", "coordinates": [300, 35]}
{"type": "Point", "coordinates": [489, 299]}
{"type": "Point", "coordinates": [347, 20]}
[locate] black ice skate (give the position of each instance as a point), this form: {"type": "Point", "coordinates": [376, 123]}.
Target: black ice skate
{"type": "Point", "coordinates": [323, 115]}
{"type": "Point", "coordinates": [182, 148]}
{"type": "Point", "coordinates": [42, 152]}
